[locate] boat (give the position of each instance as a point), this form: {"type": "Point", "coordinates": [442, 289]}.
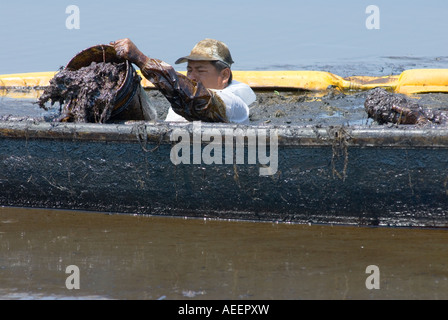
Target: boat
{"type": "Point", "coordinates": [342, 175]}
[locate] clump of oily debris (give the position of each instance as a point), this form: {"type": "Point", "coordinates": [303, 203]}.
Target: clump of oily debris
{"type": "Point", "coordinates": [385, 107]}
{"type": "Point", "coordinates": [87, 94]}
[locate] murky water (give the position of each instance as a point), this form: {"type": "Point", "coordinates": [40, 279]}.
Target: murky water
{"type": "Point", "coordinates": [141, 257]}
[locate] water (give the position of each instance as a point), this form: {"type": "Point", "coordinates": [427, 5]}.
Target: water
{"type": "Point", "coordinates": [262, 34]}
{"type": "Point", "coordinates": [141, 257]}
{"type": "Point", "coordinates": [134, 257]}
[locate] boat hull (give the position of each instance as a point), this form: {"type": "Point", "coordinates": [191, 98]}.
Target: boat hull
{"type": "Point", "coordinates": [368, 176]}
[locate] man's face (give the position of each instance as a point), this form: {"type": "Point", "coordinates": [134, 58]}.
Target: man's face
{"type": "Point", "coordinates": [207, 74]}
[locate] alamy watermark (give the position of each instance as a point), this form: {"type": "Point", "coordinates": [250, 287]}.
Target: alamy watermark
{"type": "Point", "coordinates": [373, 280]}
{"type": "Point", "coordinates": [73, 280]}
{"type": "Point", "coordinates": [226, 146]}
{"type": "Point", "coordinates": [73, 21]}
{"type": "Point", "coordinates": [373, 20]}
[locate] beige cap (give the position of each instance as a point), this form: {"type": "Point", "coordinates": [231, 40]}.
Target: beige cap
{"type": "Point", "coordinates": [209, 50]}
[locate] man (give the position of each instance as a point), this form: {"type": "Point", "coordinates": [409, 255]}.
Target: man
{"type": "Point", "coordinates": [208, 92]}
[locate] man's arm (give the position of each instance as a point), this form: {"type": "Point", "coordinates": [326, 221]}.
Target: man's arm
{"type": "Point", "coordinates": [188, 98]}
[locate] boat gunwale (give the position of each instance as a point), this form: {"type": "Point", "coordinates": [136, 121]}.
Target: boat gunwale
{"type": "Point", "coordinates": [403, 136]}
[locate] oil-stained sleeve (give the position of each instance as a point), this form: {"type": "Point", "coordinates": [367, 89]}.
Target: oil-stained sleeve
{"type": "Point", "coordinates": [188, 98]}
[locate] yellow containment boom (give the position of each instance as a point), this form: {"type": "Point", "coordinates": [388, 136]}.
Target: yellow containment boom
{"type": "Point", "coordinates": [26, 80]}
{"type": "Point", "coordinates": [423, 81]}
{"type": "Point", "coordinates": [409, 82]}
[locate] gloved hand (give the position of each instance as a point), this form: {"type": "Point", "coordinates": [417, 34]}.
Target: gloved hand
{"type": "Point", "coordinates": [127, 50]}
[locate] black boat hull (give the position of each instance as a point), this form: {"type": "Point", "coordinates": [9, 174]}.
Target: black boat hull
{"type": "Point", "coordinates": [357, 176]}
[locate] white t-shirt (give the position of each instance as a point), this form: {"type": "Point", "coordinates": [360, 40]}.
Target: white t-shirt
{"type": "Point", "coordinates": [237, 96]}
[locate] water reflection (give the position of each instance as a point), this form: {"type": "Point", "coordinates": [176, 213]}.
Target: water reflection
{"type": "Point", "coordinates": [141, 257]}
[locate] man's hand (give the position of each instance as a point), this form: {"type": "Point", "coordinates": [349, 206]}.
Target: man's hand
{"type": "Point", "coordinates": [127, 50]}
